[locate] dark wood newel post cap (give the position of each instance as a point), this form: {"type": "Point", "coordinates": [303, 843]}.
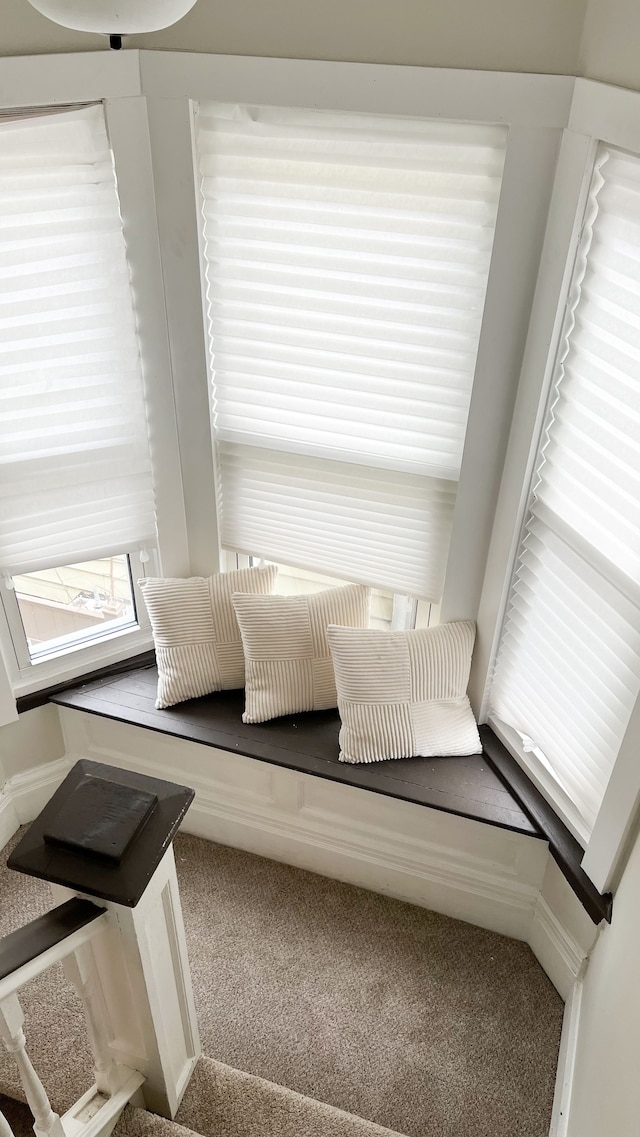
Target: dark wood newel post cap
{"type": "Point", "coordinates": [104, 832]}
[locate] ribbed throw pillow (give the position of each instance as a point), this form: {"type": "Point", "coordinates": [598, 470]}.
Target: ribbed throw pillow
{"type": "Point", "coordinates": [287, 660]}
{"type": "Point", "coordinates": [403, 694]}
{"type": "Point", "coordinates": [195, 631]}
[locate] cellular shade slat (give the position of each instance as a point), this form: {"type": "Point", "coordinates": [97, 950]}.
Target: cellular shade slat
{"type": "Point", "coordinates": [299, 508]}
{"type": "Point", "coordinates": [346, 263]}
{"type": "Point", "coordinates": [568, 669]}
{"type": "Point", "coordinates": [75, 472]}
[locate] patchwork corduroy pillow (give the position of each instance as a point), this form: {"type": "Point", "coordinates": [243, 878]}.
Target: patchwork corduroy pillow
{"type": "Point", "coordinates": [195, 631]}
{"type": "Point", "coordinates": [404, 694]}
{"type": "Point", "coordinates": [287, 661]}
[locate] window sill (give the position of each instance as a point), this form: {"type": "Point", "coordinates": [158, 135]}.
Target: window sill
{"type": "Point", "coordinates": [33, 699]}
{"type": "Point", "coordinates": [489, 788]}
{"type": "Point", "coordinates": [563, 846]}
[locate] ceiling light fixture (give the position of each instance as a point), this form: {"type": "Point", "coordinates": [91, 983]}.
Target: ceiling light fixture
{"type": "Point", "coordinates": [115, 18]}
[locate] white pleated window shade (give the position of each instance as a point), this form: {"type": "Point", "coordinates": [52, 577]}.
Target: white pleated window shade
{"type": "Point", "coordinates": [568, 669]}
{"type": "Point", "coordinates": [346, 259]}
{"type": "Point", "coordinates": [75, 472]}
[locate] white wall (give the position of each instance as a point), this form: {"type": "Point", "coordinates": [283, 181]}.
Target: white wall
{"type": "Point", "coordinates": [26, 745]}
{"type": "Point", "coordinates": [35, 737]}
{"type": "Point", "coordinates": [495, 35]}
{"type": "Point", "coordinates": [609, 49]}
{"type": "Point", "coordinates": [605, 1100]}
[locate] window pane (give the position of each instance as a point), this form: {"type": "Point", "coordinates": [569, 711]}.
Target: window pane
{"type": "Point", "coordinates": [568, 669]}
{"type": "Point", "coordinates": [346, 258]}
{"type": "Point", "coordinates": [65, 606]}
{"type": "Point", "coordinates": [297, 582]}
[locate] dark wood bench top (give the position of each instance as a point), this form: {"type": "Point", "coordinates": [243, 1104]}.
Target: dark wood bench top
{"type": "Point", "coordinates": [468, 787]}
{"type": "Point", "coordinates": [490, 787]}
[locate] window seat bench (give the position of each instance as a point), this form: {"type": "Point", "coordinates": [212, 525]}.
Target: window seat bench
{"type": "Point", "coordinates": [489, 788]}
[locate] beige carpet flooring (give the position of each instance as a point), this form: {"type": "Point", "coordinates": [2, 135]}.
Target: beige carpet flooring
{"type": "Point", "coordinates": [222, 1102]}
{"type": "Point", "coordinates": [415, 1021]}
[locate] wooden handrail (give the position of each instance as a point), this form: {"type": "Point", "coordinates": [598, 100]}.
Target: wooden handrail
{"type": "Point", "coordinates": [36, 946]}
{"type": "Point", "coordinates": [36, 937]}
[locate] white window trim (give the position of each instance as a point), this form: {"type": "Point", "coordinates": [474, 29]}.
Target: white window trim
{"type": "Point", "coordinates": [598, 114]}
{"type": "Point", "coordinates": [538, 772]}
{"type": "Point", "coordinates": [27, 676]}
{"type": "Point", "coordinates": [87, 78]}
{"type": "Point", "coordinates": [535, 108]}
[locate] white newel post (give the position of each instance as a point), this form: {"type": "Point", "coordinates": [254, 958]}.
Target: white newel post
{"type": "Point", "coordinates": [47, 1123]}
{"type": "Point", "coordinates": [133, 975]}
{"type": "Point", "coordinates": [136, 988]}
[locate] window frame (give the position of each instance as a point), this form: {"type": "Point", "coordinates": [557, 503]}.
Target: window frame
{"type": "Point", "coordinates": [23, 659]}
{"type": "Point", "coordinates": [405, 608]}
{"type": "Point", "coordinates": [27, 675]}
{"type": "Point", "coordinates": [534, 129]}
{"type": "Point", "coordinates": [598, 115]}
{"type": "Point", "coordinates": [116, 85]}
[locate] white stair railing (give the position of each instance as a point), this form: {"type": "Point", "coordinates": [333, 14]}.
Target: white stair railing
{"type": "Point", "coordinates": [129, 967]}
{"type": "Point", "coordinates": [82, 972]}
{"type": "Point", "coordinates": [47, 1123]}
{"type": "Point", "coordinates": [123, 949]}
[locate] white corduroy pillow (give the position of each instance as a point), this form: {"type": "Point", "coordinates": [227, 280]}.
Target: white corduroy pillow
{"type": "Point", "coordinates": [404, 694]}
{"type": "Point", "coordinates": [195, 631]}
{"type": "Point", "coordinates": [287, 660]}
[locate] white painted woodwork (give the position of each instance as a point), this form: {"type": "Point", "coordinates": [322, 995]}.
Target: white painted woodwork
{"type": "Point", "coordinates": [129, 137]}
{"type": "Point", "coordinates": [46, 1122]}
{"type": "Point", "coordinates": [137, 983]}
{"type": "Point", "coordinates": [28, 791]}
{"type": "Point", "coordinates": [608, 847]}
{"type": "Point", "coordinates": [8, 712]}
{"type": "Point", "coordinates": [9, 821]}
{"type": "Point", "coordinates": [560, 1113]}
{"type": "Point", "coordinates": [83, 77]}
{"type": "Point", "coordinates": [433, 92]}
{"type": "Point", "coordinates": [175, 200]}
{"type": "Point", "coordinates": [93, 1115]}
{"type": "Point", "coordinates": [5, 1128]}
{"type": "Point", "coordinates": [607, 113]}
{"type": "Point", "coordinates": [12, 983]}
{"type": "Point", "coordinates": [81, 970]}
{"type": "Point", "coordinates": [556, 266]}
{"type": "Point", "coordinates": [476, 872]}
{"type": "Point", "coordinates": [527, 184]}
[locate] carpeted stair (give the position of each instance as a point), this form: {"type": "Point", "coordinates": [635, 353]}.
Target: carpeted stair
{"type": "Point", "coordinates": [222, 1102]}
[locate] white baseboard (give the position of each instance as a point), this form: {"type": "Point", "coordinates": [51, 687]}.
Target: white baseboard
{"type": "Point", "coordinates": [566, 1062]}
{"type": "Point", "coordinates": [31, 790]}
{"type": "Point", "coordinates": [9, 821]}
{"type": "Point", "coordinates": [555, 949]}
{"type": "Point", "coordinates": [24, 795]}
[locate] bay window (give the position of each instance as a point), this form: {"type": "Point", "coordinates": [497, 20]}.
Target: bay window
{"type": "Point", "coordinates": [567, 674]}
{"type": "Point", "coordinates": [77, 516]}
